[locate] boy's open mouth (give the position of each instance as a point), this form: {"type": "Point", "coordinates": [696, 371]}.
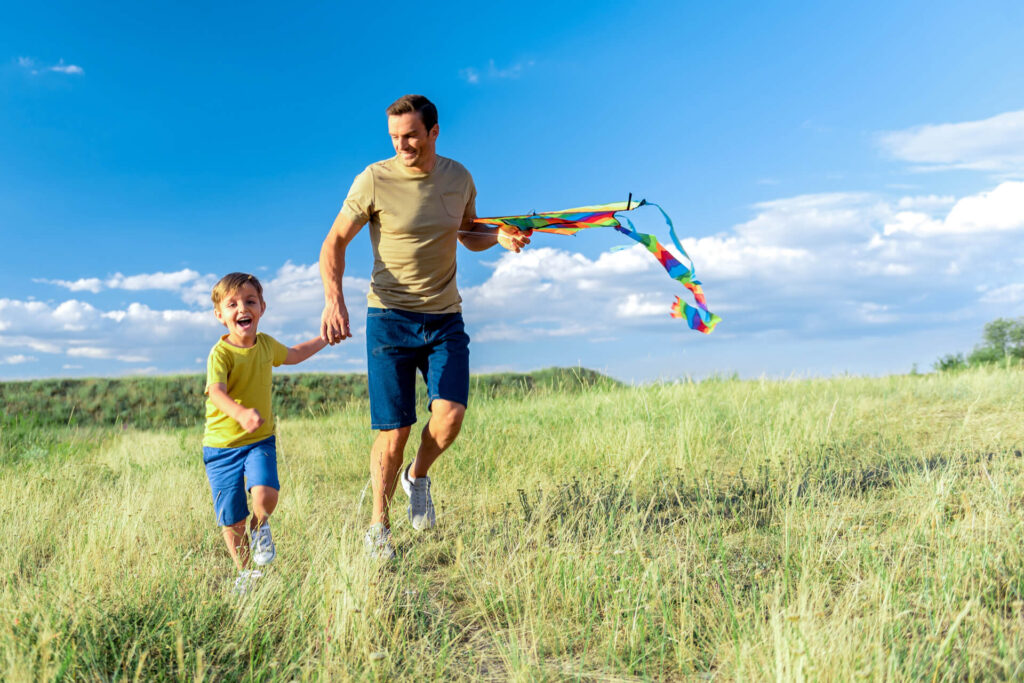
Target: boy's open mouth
{"type": "Point", "coordinates": [244, 322]}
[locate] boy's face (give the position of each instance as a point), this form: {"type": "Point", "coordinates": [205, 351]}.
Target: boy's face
{"type": "Point", "coordinates": [240, 312]}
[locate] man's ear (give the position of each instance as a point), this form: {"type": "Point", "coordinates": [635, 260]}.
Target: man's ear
{"type": "Point", "coordinates": [435, 131]}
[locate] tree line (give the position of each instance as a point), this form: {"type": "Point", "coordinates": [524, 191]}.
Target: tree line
{"type": "Point", "coordinates": [1002, 343]}
{"type": "Point", "coordinates": [179, 401]}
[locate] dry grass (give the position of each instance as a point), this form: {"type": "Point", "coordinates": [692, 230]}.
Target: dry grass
{"type": "Point", "coordinates": [807, 530]}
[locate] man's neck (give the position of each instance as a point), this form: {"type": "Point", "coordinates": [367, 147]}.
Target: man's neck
{"type": "Point", "coordinates": [427, 166]}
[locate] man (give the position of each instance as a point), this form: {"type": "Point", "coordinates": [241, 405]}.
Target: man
{"type": "Point", "coordinates": [419, 206]}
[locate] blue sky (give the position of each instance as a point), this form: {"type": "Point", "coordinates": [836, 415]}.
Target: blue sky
{"type": "Point", "coordinates": [847, 179]}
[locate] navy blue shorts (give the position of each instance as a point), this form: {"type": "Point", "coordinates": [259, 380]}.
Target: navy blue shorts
{"type": "Point", "coordinates": [233, 471]}
{"type": "Point", "coordinates": [398, 343]}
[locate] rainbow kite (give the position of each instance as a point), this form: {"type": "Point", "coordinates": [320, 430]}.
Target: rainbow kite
{"type": "Point", "coordinates": [571, 221]}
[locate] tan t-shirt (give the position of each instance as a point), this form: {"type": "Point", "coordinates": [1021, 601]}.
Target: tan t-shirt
{"type": "Point", "coordinates": [414, 221]}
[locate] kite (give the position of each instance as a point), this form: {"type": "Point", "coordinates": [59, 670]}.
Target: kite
{"type": "Point", "coordinates": [571, 221]}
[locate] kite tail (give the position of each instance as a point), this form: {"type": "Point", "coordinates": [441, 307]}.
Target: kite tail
{"type": "Point", "coordinates": [698, 318]}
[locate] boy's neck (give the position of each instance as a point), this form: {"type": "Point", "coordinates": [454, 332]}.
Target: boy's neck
{"type": "Point", "coordinates": [241, 342]}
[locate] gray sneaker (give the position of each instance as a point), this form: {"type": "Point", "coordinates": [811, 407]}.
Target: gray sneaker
{"type": "Point", "coordinates": [378, 542]}
{"type": "Point", "coordinates": [246, 580]}
{"type": "Point", "coordinates": [421, 506]}
{"type": "Point", "coordinates": [263, 551]}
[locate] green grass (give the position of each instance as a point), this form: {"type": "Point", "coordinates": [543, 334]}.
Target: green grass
{"type": "Point", "coordinates": [737, 530]}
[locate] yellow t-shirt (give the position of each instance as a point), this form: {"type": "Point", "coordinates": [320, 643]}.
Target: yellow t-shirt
{"type": "Point", "coordinates": [414, 221]}
{"type": "Point", "coordinates": [247, 375]}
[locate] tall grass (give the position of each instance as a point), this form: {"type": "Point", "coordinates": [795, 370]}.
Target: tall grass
{"type": "Point", "coordinates": [731, 530]}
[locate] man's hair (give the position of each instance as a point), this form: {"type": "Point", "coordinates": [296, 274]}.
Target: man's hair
{"type": "Point", "coordinates": [231, 283]}
{"type": "Point", "coordinates": [415, 103]}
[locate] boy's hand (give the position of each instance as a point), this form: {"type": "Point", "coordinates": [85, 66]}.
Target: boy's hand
{"type": "Point", "coordinates": [250, 420]}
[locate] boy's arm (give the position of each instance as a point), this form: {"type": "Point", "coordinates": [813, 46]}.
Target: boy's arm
{"type": "Point", "coordinates": [248, 418]}
{"type": "Point", "coordinates": [301, 352]}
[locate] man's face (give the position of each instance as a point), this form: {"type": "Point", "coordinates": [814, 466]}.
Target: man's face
{"type": "Point", "coordinates": [414, 144]}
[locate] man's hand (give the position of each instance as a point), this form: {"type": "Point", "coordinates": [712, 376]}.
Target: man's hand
{"type": "Point", "coordinates": [334, 323]}
{"type": "Point", "coordinates": [250, 419]}
{"type": "Point", "coordinates": [514, 241]}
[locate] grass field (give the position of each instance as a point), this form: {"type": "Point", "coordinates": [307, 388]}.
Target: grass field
{"type": "Point", "coordinates": [728, 530]}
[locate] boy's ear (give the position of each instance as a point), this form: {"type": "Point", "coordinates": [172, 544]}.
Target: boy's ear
{"type": "Point", "coordinates": [220, 318]}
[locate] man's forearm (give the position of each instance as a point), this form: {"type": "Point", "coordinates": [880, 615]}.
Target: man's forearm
{"type": "Point", "coordinates": [332, 268]}
{"type": "Point", "coordinates": [476, 237]}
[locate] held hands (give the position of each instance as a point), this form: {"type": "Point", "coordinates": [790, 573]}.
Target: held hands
{"type": "Point", "coordinates": [334, 323]}
{"type": "Point", "coordinates": [250, 420]}
{"type": "Point", "coordinates": [514, 241]}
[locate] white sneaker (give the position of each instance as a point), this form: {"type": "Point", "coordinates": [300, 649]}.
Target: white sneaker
{"type": "Point", "coordinates": [246, 580]}
{"type": "Point", "coordinates": [421, 506]}
{"type": "Point", "coordinates": [263, 551]}
{"type": "Point", "coordinates": [378, 542]}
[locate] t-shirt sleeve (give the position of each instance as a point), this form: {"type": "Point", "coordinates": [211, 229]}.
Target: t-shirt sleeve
{"type": "Point", "coordinates": [218, 365]}
{"type": "Point", "coordinates": [358, 204]}
{"type": "Point", "coordinates": [470, 211]}
{"type": "Point", "coordinates": [278, 351]}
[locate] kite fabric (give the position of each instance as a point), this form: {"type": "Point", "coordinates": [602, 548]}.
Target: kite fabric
{"type": "Point", "coordinates": [571, 221]}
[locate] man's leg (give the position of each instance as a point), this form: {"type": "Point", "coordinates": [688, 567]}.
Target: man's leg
{"type": "Point", "coordinates": [391, 339]}
{"type": "Point", "coordinates": [444, 425]}
{"type": "Point", "coordinates": [385, 464]}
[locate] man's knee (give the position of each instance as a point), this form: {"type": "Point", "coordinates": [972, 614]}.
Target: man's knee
{"type": "Point", "coordinates": [391, 442]}
{"type": "Point", "coordinates": [446, 419]}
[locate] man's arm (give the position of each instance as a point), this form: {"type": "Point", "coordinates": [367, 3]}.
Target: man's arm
{"type": "Point", "coordinates": [477, 237]}
{"type": "Point", "coordinates": [334, 325]}
{"type": "Point", "coordinates": [248, 418]}
{"type": "Point", "coordinates": [301, 352]}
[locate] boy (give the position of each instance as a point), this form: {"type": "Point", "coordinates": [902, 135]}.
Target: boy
{"type": "Point", "coordinates": [239, 439]}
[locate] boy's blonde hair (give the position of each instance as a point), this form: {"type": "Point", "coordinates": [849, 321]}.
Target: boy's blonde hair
{"type": "Point", "coordinates": [231, 283]}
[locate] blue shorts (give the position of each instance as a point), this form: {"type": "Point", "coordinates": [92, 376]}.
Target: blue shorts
{"type": "Point", "coordinates": [398, 343]}
{"type": "Point", "coordinates": [233, 471]}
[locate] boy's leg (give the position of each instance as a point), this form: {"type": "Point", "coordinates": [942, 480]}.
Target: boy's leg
{"type": "Point", "coordinates": [264, 501]}
{"type": "Point", "coordinates": [261, 477]}
{"type": "Point", "coordinates": [225, 469]}
{"type": "Point", "coordinates": [238, 543]}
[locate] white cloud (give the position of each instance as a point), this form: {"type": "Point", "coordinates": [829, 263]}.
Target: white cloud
{"type": "Point", "coordinates": [165, 338]}
{"type": "Point", "coordinates": [17, 359]}
{"type": "Point", "coordinates": [89, 352]}
{"type": "Point", "coordinates": [63, 68]}
{"type": "Point", "coordinates": [90, 284]}
{"type": "Point", "coordinates": [493, 72]}
{"type": "Point", "coordinates": [33, 67]}
{"type": "Point", "coordinates": [1000, 209]}
{"type": "Point", "coordinates": [1007, 294]}
{"type": "Point", "coordinates": [992, 144]}
{"type": "Point", "coordinates": [164, 281]}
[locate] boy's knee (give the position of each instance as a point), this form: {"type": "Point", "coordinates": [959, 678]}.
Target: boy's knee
{"type": "Point", "coordinates": [235, 531]}
{"type": "Point", "coordinates": [264, 495]}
